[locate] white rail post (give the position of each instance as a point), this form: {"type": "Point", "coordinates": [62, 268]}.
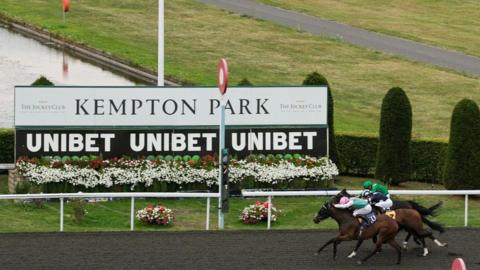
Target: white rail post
{"type": "Point", "coordinates": [207, 222]}
{"type": "Point", "coordinates": [132, 210]}
{"type": "Point", "coordinates": [466, 210]}
{"type": "Point", "coordinates": [269, 219]}
{"type": "Point", "coordinates": [61, 214]}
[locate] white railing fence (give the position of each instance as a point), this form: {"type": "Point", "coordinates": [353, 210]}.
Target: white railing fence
{"type": "Point", "coordinates": [208, 196]}
{"type": "Point", "coordinates": [270, 194]}
{"type": "Point", "coordinates": [131, 195]}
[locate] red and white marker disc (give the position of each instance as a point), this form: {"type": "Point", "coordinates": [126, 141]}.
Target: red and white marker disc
{"type": "Point", "coordinates": [66, 5]}
{"type": "Point", "coordinates": [459, 264]}
{"type": "Point", "coordinates": [222, 76]}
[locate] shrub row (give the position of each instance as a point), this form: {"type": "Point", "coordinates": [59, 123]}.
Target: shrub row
{"type": "Point", "coordinates": [357, 155]}
{"type": "Point", "coordinates": [358, 152]}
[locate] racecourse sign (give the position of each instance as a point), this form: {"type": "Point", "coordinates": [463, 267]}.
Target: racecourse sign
{"type": "Point", "coordinates": [142, 121]}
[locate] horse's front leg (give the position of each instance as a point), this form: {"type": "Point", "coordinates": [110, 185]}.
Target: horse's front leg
{"type": "Point", "coordinates": [354, 252]}
{"type": "Point", "coordinates": [340, 239]}
{"type": "Point", "coordinates": [331, 241]}
{"type": "Point", "coordinates": [405, 242]}
{"type": "Point", "coordinates": [378, 247]}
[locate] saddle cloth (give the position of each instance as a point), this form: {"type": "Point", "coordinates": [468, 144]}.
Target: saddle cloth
{"type": "Point", "coordinates": [391, 214]}
{"type": "Point", "coordinates": [367, 220]}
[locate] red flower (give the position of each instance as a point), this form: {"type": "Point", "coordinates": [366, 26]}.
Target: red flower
{"type": "Point", "coordinates": [265, 204]}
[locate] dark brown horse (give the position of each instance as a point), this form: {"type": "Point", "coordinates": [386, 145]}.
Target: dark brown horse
{"type": "Point", "coordinates": [384, 229]}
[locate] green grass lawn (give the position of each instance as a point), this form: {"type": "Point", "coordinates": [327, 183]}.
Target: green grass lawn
{"type": "Point", "coordinates": [443, 23]}
{"type": "Point", "coordinates": [265, 53]}
{"type": "Point", "coordinates": [296, 213]}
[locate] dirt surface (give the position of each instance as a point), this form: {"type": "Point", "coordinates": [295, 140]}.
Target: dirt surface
{"type": "Point", "coordinates": [219, 250]}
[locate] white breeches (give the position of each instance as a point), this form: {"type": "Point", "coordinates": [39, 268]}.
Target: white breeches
{"type": "Point", "coordinates": [362, 211]}
{"type": "Point", "coordinates": [385, 205]}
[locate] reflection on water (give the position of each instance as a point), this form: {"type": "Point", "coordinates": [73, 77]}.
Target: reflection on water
{"type": "Point", "coordinates": [23, 60]}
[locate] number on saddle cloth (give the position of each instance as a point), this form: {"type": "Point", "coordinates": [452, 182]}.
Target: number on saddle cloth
{"type": "Point", "coordinates": [367, 220]}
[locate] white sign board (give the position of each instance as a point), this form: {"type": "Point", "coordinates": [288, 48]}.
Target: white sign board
{"type": "Point", "coordinates": [145, 106]}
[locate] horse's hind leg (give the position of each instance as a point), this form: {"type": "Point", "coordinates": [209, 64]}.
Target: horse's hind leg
{"type": "Point", "coordinates": [354, 252]}
{"type": "Point", "coordinates": [435, 240]}
{"type": "Point", "coordinates": [397, 248]}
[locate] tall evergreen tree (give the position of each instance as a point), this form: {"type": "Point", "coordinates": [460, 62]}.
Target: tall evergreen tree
{"type": "Point", "coordinates": [245, 82]}
{"type": "Point", "coordinates": [316, 78]}
{"type": "Point", "coordinates": [462, 164]}
{"type": "Point", "coordinates": [393, 164]}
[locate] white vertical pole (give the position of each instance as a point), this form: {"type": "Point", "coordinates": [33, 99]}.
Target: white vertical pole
{"type": "Point", "coordinates": [207, 222]}
{"type": "Point", "coordinates": [328, 142]}
{"type": "Point", "coordinates": [161, 43]}
{"type": "Point", "coordinates": [269, 220]}
{"type": "Point", "coordinates": [61, 214]}
{"type": "Point", "coordinates": [221, 140]}
{"type": "Point", "coordinates": [132, 210]}
{"type": "Point", "coordinates": [466, 210]}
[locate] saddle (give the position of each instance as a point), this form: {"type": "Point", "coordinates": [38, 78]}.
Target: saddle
{"type": "Point", "coordinates": [367, 220]}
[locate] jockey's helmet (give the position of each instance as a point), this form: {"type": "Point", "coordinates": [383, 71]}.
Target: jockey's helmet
{"type": "Point", "coordinates": [366, 194]}
{"type": "Point", "coordinates": [367, 184]}
{"type": "Point", "coordinates": [344, 200]}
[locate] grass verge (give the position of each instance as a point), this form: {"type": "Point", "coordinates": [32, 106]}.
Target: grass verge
{"type": "Point", "coordinates": [265, 53]}
{"type": "Point", "coordinates": [444, 23]}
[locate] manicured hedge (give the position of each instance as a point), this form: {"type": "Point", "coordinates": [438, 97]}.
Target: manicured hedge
{"type": "Point", "coordinates": [357, 156]}
{"type": "Point", "coordinates": [7, 143]}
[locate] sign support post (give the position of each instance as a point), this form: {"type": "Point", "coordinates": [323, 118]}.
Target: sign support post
{"type": "Point", "coordinates": [161, 42]}
{"type": "Point", "coordinates": [222, 86]}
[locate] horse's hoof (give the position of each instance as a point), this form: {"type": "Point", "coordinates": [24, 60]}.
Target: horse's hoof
{"type": "Point", "coordinates": [359, 262]}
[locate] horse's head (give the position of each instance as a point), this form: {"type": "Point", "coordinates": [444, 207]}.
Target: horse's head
{"type": "Point", "coordinates": [323, 213]}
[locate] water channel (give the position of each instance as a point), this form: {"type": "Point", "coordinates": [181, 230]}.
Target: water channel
{"type": "Point", "coordinates": [23, 60]}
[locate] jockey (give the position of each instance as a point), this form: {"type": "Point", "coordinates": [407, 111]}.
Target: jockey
{"type": "Point", "coordinates": [380, 196]}
{"type": "Point", "coordinates": [361, 206]}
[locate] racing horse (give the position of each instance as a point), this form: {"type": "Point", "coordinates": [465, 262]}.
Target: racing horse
{"type": "Point", "coordinates": [411, 221]}
{"type": "Point", "coordinates": [385, 229]}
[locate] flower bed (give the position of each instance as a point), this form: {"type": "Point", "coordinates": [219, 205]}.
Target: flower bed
{"type": "Point", "coordinates": [94, 172]}
{"type": "Point", "coordinates": [258, 212]}
{"type": "Point", "coordinates": [157, 215]}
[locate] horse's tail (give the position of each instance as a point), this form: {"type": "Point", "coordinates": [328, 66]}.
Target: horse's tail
{"type": "Point", "coordinates": [423, 210]}
{"type": "Point", "coordinates": [435, 226]}
{"type": "Point", "coordinates": [433, 209]}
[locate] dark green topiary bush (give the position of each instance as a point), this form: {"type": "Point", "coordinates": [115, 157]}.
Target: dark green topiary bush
{"type": "Point", "coordinates": [393, 163]}
{"type": "Point", "coordinates": [42, 81]}
{"type": "Point", "coordinates": [7, 145]}
{"type": "Point", "coordinates": [462, 164]}
{"type": "Point", "coordinates": [245, 82]}
{"type": "Point", "coordinates": [316, 78]}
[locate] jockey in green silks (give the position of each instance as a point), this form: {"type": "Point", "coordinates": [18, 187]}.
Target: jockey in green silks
{"type": "Point", "coordinates": [380, 196]}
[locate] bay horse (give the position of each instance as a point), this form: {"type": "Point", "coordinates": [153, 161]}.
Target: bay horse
{"type": "Point", "coordinates": [423, 211]}
{"type": "Point", "coordinates": [409, 219]}
{"type": "Point", "coordinates": [385, 229]}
